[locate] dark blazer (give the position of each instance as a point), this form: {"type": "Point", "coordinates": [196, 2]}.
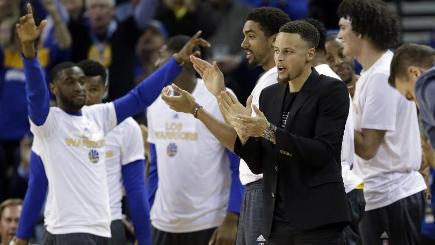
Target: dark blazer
{"type": "Point", "coordinates": [302, 171]}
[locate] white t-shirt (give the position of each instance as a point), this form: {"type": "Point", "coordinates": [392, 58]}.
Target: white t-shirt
{"type": "Point", "coordinates": [193, 168]}
{"type": "Point", "coordinates": [393, 173]}
{"type": "Point", "coordinates": [268, 78]}
{"type": "Point", "coordinates": [124, 144]}
{"type": "Point", "coordinates": [350, 179]}
{"type": "Point", "coordinates": [71, 148]}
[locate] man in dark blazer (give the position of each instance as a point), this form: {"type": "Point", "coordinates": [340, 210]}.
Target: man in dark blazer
{"type": "Point", "coordinates": [296, 144]}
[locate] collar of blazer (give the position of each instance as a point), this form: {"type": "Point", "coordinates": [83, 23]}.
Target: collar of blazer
{"type": "Point", "coordinates": [302, 97]}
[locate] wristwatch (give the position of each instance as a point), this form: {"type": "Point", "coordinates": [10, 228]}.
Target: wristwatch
{"type": "Point", "coordinates": [269, 133]}
{"type": "Point", "coordinates": [195, 110]}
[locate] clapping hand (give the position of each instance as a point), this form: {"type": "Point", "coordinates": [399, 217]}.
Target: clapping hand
{"type": "Point", "coordinates": [183, 101]}
{"type": "Point", "coordinates": [210, 73]}
{"type": "Point", "coordinates": [251, 126]}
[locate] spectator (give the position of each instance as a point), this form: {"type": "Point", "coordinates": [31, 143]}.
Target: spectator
{"type": "Point", "coordinates": [101, 38]}
{"type": "Point", "coordinates": [186, 16]}
{"type": "Point", "coordinates": [10, 211]}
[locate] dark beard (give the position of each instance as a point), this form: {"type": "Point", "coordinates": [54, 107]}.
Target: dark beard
{"type": "Point", "coordinates": [69, 104]}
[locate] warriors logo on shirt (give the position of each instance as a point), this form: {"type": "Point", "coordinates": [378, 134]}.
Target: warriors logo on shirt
{"type": "Point", "coordinates": [93, 155]}
{"type": "Point", "coordinates": [172, 149]}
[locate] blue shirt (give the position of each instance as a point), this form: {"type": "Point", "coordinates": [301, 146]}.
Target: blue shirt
{"type": "Point", "coordinates": [425, 95]}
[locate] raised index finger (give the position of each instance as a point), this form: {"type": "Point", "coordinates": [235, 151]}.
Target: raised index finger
{"type": "Point", "coordinates": [29, 8]}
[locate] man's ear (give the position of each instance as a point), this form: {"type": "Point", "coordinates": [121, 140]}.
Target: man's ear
{"type": "Point", "coordinates": [311, 54]}
{"type": "Point", "coordinates": [53, 88]}
{"type": "Point", "coordinates": [272, 39]}
{"type": "Point", "coordinates": [414, 72]}
{"type": "Point", "coordinates": [106, 92]}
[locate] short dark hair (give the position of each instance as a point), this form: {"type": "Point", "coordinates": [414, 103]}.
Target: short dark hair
{"type": "Point", "coordinates": [8, 203]}
{"type": "Point", "coordinates": [54, 72]}
{"type": "Point", "coordinates": [93, 68]}
{"type": "Point", "coordinates": [372, 19]}
{"type": "Point", "coordinates": [322, 32]}
{"type": "Point", "coordinates": [308, 32]}
{"type": "Point", "coordinates": [270, 19]}
{"type": "Point", "coordinates": [407, 55]}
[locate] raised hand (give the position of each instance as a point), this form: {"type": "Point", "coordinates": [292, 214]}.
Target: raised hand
{"type": "Point", "coordinates": [211, 74]}
{"type": "Point", "coordinates": [182, 57]}
{"type": "Point", "coordinates": [27, 30]}
{"type": "Point", "coordinates": [182, 102]}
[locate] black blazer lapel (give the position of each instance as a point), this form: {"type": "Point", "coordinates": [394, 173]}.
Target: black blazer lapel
{"type": "Point", "coordinates": [275, 116]}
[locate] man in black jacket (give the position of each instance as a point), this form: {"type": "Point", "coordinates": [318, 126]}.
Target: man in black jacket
{"type": "Point", "coordinates": [296, 144]}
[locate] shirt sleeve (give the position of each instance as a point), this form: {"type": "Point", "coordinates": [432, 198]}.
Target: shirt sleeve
{"type": "Point", "coordinates": [132, 142]}
{"type": "Point", "coordinates": [380, 104]}
{"type": "Point", "coordinates": [38, 97]}
{"type": "Point", "coordinates": [236, 191]}
{"type": "Point", "coordinates": [153, 178]}
{"type": "Point", "coordinates": [34, 199]}
{"type": "Point", "coordinates": [137, 199]}
{"type": "Point", "coordinates": [147, 91]}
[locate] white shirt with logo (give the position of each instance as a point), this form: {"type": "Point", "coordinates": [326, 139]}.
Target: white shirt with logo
{"type": "Point", "coordinates": [392, 174]}
{"type": "Point", "coordinates": [124, 145]}
{"type": "Point", "coordinates": [193, 168]}
{"type": "Point", "coordinates": [71, 148]}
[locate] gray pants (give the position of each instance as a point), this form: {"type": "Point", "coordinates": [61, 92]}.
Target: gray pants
{"type": "Point", "coordinates": [250, 227]}
{"type": "Point", "coordinates": [118, 233]}
{"type": "Point", "coordinates": [74, 239]}
{"type": "Point", "coordinates": [398, 223]}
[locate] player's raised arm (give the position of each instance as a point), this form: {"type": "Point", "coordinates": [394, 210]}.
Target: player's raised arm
{"type": "Point", "coordinates": [37, 93]}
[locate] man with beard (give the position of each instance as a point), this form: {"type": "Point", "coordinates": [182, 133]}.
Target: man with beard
{"type": "Point", "coordinates": [69, 143]}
